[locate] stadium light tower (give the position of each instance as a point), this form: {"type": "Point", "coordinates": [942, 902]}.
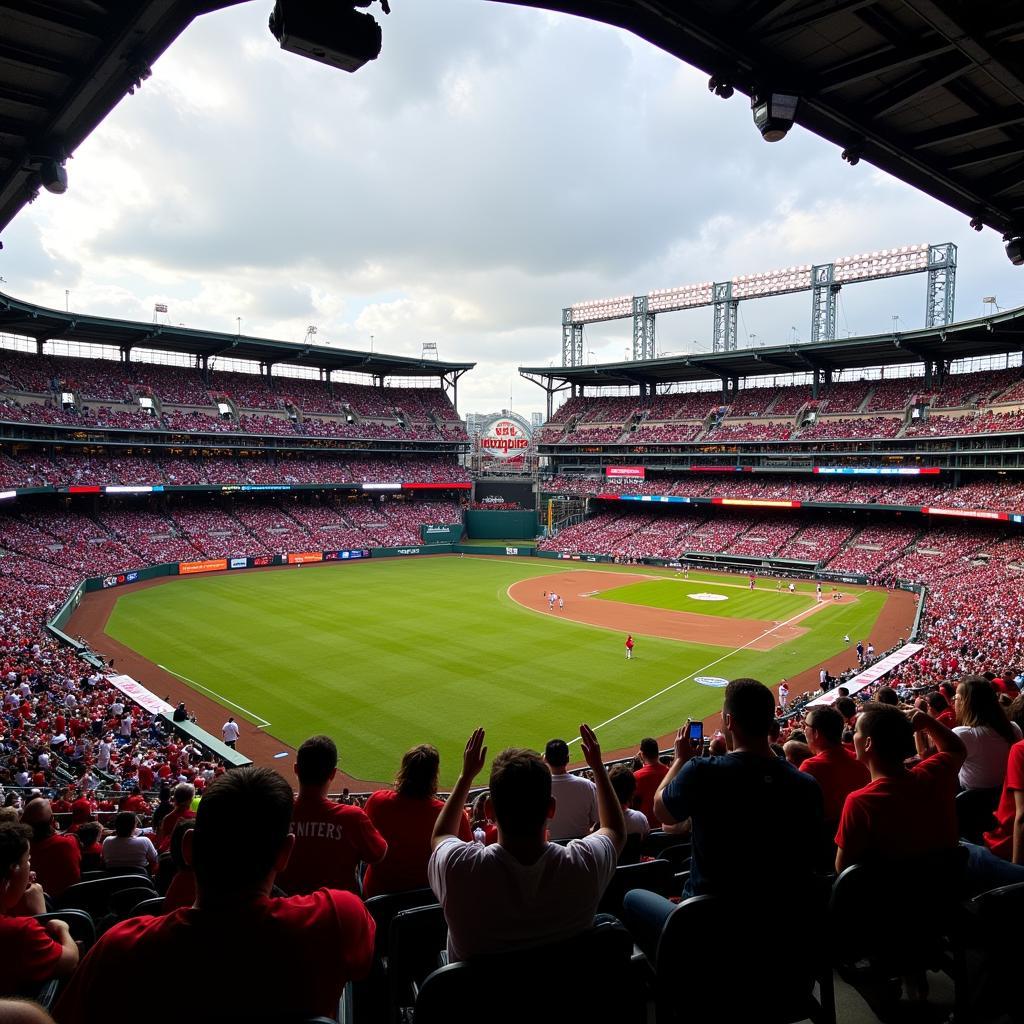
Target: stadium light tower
{"type": "Point", "coordinates": [823, 280]}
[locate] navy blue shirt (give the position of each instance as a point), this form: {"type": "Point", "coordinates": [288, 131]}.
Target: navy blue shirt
{"type": "Point", "coordinates": [757, 823]}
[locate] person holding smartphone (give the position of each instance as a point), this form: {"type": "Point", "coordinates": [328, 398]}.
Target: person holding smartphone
{"type": "Point", "coordinates": [756, 820]}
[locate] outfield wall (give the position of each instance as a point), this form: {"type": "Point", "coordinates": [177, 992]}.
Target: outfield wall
{"type": "Point", "coordinates": [482, 524]}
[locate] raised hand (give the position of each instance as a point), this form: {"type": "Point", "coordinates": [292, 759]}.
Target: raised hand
{"type": "Point", "coordinates": [475, 756]}
{"type": "Point", "coordinates": [591, 748]}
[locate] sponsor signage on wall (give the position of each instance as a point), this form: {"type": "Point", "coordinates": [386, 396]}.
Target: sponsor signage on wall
{"type": "Point", "coordinates": [755, 502]}
{"type": "Point", "coordinates": [638, 472]}
{"type": "Point", "coordinates": [504, 437]}
{"type": "Point", "coordinates": [239, 563]}
{"type": "Point", "coordinates": [877, 470]}
{"type": "Point", "coordinates": [302, 557]}
{"type": "Point", "coordinates": [120, 579]}
{"type": "Point", "coordinates": [207, 565]}
{"type": "Point", "coordinates": [963, 513]}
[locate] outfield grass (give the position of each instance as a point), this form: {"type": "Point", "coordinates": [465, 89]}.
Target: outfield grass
{"type": "Point", "coordinates": [388, 653]}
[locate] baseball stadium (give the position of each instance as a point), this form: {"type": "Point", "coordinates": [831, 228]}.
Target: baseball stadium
{"type": "Point", "coordinates": [778, 582]}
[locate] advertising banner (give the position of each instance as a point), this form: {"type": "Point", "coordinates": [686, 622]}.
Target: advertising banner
{"type": "Point", "coordinates": [871, 674]}
{"type": "Point", "coordinates": [239, 563]}
{"type": "Point", "coordinates": [138, 693]}
{"type": "Point", "coordinates": [638, 472]}
{"type": "Point", "coordinates": [120, 579]}
{"type": "Point", "coordinates": [755, 502]}
{"type": "Point", "coordinates": [207, 565]}
{"type": "Point", "coordinates": [345, 556]}
{"type": "Point", "coordinates": [877, 470]}
{"type": "Point", "coordinates": [964, 513]}
{"type": "Point", "coordinates": [302, 557]}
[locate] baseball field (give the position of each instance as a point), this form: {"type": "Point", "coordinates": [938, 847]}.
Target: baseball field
{"type": "Point", "coordinates": [387, 653]}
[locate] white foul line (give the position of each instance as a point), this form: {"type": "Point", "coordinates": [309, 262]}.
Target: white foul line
{"type": "Point", "coordinates": [710, 664]}
{"type": "Point", "coordinates": [261, 723]}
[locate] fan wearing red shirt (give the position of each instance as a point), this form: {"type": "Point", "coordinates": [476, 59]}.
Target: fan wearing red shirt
{"type": "Point", "coordinates": [184, 794]}
{"type": "Point", "coordinates": [330, 839]}
{"type": "Point", "coordinates": [902, 813]}
{"type": "Point", "coordinates": [648, 778]}
{"type": "Point", "coordinates": [30, 953]}
{"type": "Point", "coordinates": [406, 819]}
{"type": "Point", "coordinates": [249, 955]}
{"type": "Point", "coordinates": [938, 707]}
{"type": "Point", "coordinates": [838, 771]}
{"type": "Point", "coordinates": [56, 859]}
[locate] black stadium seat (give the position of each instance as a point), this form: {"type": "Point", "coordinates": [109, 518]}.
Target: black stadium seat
{"type": "Point", "coordinates": [583, 978]}
{"type": "Point", "coordinates": [697, 973]}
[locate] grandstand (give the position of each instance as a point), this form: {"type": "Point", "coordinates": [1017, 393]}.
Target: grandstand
{"type": "Point", "coordinates": [128, 449]}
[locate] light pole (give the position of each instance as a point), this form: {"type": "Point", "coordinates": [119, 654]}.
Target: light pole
{"type": "Point", "coordinates": [67, 300]}
{"type": "Point", "coordinates": [238, 322]}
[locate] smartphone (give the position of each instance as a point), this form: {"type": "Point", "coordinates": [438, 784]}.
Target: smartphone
{"type": "Point", "coordinates": [697, 732]}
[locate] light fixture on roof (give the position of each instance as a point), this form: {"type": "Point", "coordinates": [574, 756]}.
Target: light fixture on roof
{"type": "Point", "coordinates": [774, 114]}
{"type": "Point", "coordinates": [720, 88]}
{"type": "Point", "coordinates": [53, 176]}
{"type": "Point", "coordinates": [1015, 249]}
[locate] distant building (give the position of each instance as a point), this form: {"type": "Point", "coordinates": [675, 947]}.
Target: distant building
{"type": "Point", "coordinates": [536, 420]}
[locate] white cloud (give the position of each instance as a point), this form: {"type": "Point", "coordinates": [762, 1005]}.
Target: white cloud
{"type": "Point", "coordinates": [494, 165]}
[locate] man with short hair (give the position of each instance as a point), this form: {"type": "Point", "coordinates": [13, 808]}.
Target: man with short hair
{"type": "Point", "coordinates": [330, 838]}
{"type": "Point", "coordinates": [575, 797]}
{"type": "Point", "coordinates": [649, 776]}
{"type": "Point", "coordinates": [56, 859]}
{"type": "Point", "coordinates": [902, 814]}
{"type": "Point", "coordinates": [838, 771]}
{"type": "Point", "coordinates": [229, 733]}
{"type": "Point", "coordinates": [249, 955]}
{"type": "Point", "coordinates": [183, 795]}
{"type": "Point", "coordinates": [522, 890]}
{"type": "Point", "coordinates": [755, 818]}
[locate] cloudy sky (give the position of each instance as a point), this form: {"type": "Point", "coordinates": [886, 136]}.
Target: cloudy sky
{"type": "Point", "coordinates": [494, 165]}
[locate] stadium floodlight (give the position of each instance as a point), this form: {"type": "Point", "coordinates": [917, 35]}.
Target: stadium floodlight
{"type": "Point", "coordinates": [774, 114]}
{"type": "Point", "coordinates": [1015, 249]}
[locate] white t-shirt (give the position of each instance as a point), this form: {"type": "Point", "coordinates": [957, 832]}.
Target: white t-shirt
{"type": "Point", "coordinates": [575, 807]}
{"type": "Point", "coordinates": [492, 902]}
{"type": "Point", "coordinates": [229, 731]}
{"type": "Point", "coordinates": [636, 823]}
{"type": "Point", "coordinates": [987, 753]}
{"type": "Point", "coordinates": [128, 852]}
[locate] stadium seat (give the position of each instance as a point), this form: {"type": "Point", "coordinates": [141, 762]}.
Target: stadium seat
{"type": "Point", "coordinates": [543, 981]}
{"type": "Point", "coordinates": [656, 875]}
{"type": "Point", "coordinates": [417, 939]}
{"type": "Point", "coordinates": [870, 954]}
{"type": "Point", "coordinates": [678, 856]}
{"type": "Point", "coordinates": [95, 895]}
{"type": "Point", "coordinates": [696, 975]}
{"type": "Point", "coordinates": [369, 997]}
{"type": "Point", "coordinates": [657, 841]}
{"type": "Point", "coordinates": [975, 812]}
{"type": "Point", "coordinates": [992, 961]}
{"type": "Point", "coordinates": [83, 931]}
{"type": "Point", "coordinates": [152, 905]}
{"type": "Point", "coordinates": [122, 903]}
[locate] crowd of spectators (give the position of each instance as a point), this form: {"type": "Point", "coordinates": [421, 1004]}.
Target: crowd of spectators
{"type": "Point", "coordinates": [34, 469]}
{"type": "Point", "coordinates": [99, 761]}
{"type": "Point", "coordinates": [842, 427]}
